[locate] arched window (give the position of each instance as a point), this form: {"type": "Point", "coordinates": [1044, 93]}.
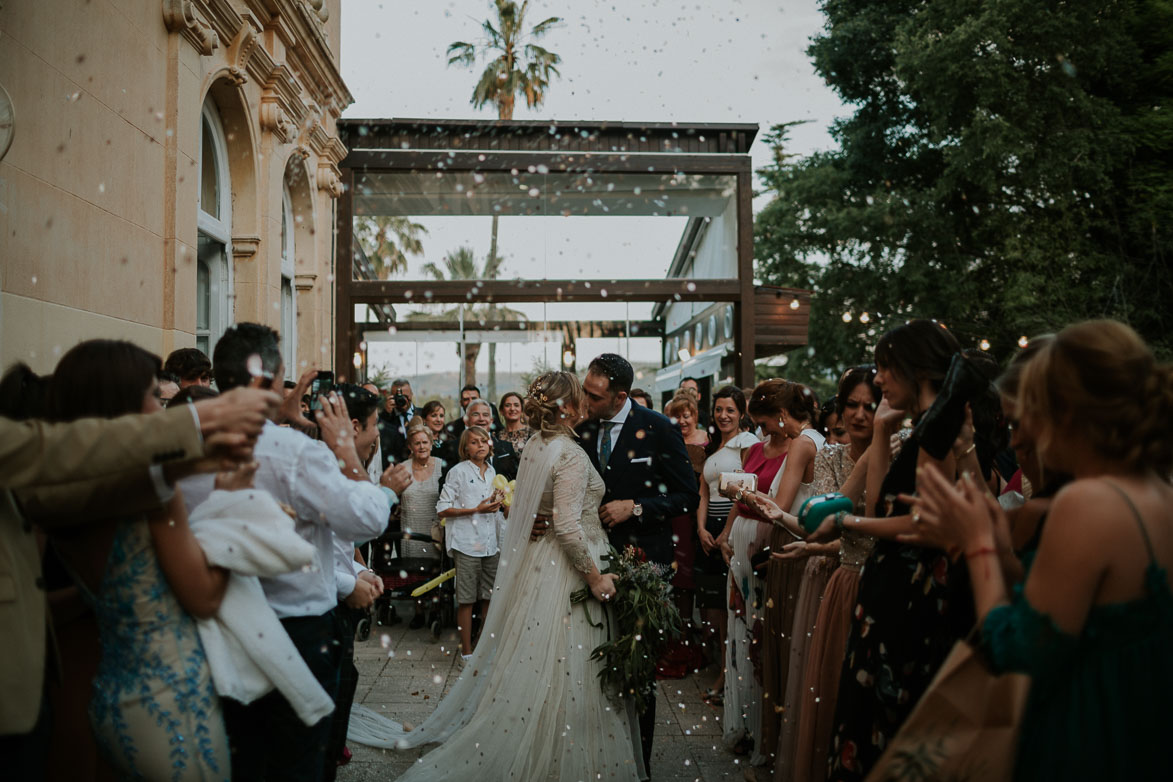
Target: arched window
{"type": "Point", "coordinates": [288, 294]}
{"type": "Point", "coordinates": [214, 221]}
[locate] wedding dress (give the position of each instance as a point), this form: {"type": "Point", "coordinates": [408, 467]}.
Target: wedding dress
{"type": "Point", "coordinates": [528, 705]}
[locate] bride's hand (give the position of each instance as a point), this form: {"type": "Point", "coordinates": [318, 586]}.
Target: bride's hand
{"type": "Point", "coordinates": [603, 587]}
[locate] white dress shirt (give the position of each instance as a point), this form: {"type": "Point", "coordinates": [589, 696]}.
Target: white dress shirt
{"type": "Point", "coordinates": [303, 474]}
{"type": "Point", "coordinates": [465, 487]}
{"type": "Point", "coordinates": [616, 422]}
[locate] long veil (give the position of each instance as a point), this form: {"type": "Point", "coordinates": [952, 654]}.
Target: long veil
{"type": "Point", "coordinates": [457, 707]}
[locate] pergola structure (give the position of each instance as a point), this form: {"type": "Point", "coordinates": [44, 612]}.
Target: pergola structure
{"type": "Point", "coordinates": [701, 172]}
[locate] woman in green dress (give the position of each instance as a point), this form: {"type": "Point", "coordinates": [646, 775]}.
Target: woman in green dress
{"type": "Point", "coordinates": [1093, 622]}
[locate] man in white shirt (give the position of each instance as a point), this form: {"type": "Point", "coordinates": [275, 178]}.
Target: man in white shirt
{"type": "Point", "coordinates": [358, 586]}
{"type": "Point", "coordinates": [267, 739]}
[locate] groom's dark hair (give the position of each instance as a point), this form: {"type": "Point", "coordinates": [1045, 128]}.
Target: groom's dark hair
{"type": "Point", "coordinates": [616, 369]}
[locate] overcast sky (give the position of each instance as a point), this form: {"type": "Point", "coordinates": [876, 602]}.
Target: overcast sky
{"type": "Point", "coordinates": [628, 60]}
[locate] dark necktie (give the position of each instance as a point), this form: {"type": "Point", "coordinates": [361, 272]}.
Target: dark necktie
{"type": "Point", "coordinates": [605, 446]}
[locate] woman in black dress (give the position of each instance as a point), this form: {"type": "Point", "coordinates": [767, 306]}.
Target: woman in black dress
{"type": "Point", "coordinates": [914, 602]}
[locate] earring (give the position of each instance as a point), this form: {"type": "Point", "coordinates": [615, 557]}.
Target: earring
{"type": "Point", "coordinates": [781, 422]}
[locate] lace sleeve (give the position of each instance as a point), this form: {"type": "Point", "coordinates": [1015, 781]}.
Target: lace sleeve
{"type": "Point", "coordinates": [570, 484]}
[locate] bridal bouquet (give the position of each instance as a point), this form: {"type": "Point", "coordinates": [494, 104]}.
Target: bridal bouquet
{"type": "Point", "coordinates": [644, 620]}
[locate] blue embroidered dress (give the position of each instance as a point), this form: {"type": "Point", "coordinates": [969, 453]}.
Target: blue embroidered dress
{"type": "Point", "coordinates": [153, 710]}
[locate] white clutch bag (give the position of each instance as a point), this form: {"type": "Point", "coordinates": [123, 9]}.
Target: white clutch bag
{"type": "Point", "coordinates": [747, 480]}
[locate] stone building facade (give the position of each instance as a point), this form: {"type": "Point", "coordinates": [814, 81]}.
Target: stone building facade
{"type": "Point", "coordinates": [173, 170]}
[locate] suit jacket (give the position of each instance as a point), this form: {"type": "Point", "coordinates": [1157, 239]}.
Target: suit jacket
{"type": "Point", "coordinates": [456, 427]}
{"type": "Point", "coordinates": [504, 459]}
{"type": "Point", "coordinates": [79, 467]}
{"type": "Point", "coordinates": [649, 464]}
{"type": "Point", "coordinates": [393, 442]}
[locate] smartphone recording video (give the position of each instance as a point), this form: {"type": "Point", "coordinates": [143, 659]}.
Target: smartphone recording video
{"type": "Point", "coordinates": [321, 386]}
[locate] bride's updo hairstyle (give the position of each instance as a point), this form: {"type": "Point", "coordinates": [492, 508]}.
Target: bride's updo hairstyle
{"type": "Point", "coordinates": [1100, 380]}
{"type": "Point", "coordinates": [553, 399]}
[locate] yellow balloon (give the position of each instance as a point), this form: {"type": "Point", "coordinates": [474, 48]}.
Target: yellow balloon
{"type": "Point", "coordinates": [500, 482]}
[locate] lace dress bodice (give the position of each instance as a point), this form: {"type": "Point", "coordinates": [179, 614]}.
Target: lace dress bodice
{"type": "Point", "coordinates": [833, 467]}
{"type": "Point", "coordinates": [571, 499]}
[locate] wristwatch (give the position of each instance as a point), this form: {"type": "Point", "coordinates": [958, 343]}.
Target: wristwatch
{"type": "Point", "coordinates": [637, 510]}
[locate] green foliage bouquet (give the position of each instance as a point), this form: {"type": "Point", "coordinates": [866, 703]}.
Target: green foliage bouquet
{"type": "Point", "coordinates": [644, 619]}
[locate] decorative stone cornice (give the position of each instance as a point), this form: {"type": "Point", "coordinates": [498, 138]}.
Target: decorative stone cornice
{"type": "Point", "coordinates": [335, 150]}
{"type": "Point", "coordinates": [244, 45]}
{"type": "Point", "coordinates": [281, 105]}
{"type": "Point", "coordinates": [245, 247]}
{"type": "Point", "coordinates": [275, 120]}
{"type": "Point", "coordinates": [329, 178]}
{"type": "Point", "coordinates": [181, 16]}
{"type": "Point", "coordinates": [304, 282]}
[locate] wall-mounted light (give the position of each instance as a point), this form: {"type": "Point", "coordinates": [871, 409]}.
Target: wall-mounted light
{"type": "Point", "coordinates": [358, 361]}
{"type": "Point", "coordinates": [794, 304]}
{"type": "Point", "coordinates": [568, 358]}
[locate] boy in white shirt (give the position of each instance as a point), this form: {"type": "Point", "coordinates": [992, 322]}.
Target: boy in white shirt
{"type": "Point", "coordinates": [472, 508]}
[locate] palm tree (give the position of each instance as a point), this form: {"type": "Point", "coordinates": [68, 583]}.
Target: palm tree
{"type": "Point", "coordinates": [461, 264]}
{"type": "Point", "coordinates": [517, 66]}
{"type": "Point", "coordinates": [387, 240]}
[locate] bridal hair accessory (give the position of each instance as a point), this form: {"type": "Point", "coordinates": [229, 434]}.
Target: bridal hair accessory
{"type": "Point", "coordinates": [537, 393]}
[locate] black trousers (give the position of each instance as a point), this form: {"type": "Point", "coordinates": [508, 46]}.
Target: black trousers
{"type": "Point", "coordinates": [267, 738]}
{"type": "Point", "coordinates": [345, 620]}
{"type": "Point", "coordinates": [647, 731]}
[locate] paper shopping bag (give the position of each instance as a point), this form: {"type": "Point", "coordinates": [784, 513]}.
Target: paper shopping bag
{"type": "Point", "coordinates": [965, 726]}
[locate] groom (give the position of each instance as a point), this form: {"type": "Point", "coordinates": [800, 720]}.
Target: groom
{"type": "Point", "coordinates": [649, 477]}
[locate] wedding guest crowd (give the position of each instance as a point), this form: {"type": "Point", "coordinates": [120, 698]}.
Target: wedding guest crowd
{"type": "Point", "coordinates": [1026, 512]}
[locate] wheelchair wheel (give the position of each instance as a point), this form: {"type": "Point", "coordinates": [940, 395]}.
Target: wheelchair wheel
{"type": "Point", "coordinates": [362, 631]}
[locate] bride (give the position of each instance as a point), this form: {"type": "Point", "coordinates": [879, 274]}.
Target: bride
{"type": "Point", "coordinates": [528, 705]}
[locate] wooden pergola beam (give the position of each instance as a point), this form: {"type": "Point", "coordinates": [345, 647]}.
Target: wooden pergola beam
{"type": "Point", "coordinates": [507, 291]}
{"type": "Point", "coordinates": [377, 160]}
{"type": "Point", "coordinates": [579, 329]}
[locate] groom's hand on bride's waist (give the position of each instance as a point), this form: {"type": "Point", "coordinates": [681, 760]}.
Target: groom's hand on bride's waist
{"type": "Point", "coordinates": [616, 512]}
{"type": "Point", "coordinates": [541, 524]}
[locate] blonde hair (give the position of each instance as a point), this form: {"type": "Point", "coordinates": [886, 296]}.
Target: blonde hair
{"type": "Point", "coordinates": [1100, 377]}
{"type": "Point", "coordinates": [417, 426]}
{"type": "Point", "coordinates": [466, 435]}
{"type": "Point", "coordinates": [548, 399]}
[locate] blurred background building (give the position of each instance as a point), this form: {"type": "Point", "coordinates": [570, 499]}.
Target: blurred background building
{"type": "Point", "coordinates": [173, 169]}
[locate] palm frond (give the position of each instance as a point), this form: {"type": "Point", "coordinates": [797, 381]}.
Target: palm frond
{"type": "Point", "coordinates": [544, 26]}
{"type": "Point", "coordinates": [462, 53]}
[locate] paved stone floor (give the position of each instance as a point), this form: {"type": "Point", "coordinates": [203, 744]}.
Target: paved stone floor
{"type": "Point", "coordinates": [403, 673]}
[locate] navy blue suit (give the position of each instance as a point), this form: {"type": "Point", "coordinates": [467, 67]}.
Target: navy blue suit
{"type": "Point", "coordinates": [649, 464]}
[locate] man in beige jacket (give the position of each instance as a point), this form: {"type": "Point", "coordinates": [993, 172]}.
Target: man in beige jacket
{"type": "Point", "coordinates": [65, 473]}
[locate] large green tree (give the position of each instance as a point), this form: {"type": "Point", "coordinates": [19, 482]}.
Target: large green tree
{"type": "Point", "coordinates": [1005, 169]}
{"type": "Point", "coordinates": [515, 65]}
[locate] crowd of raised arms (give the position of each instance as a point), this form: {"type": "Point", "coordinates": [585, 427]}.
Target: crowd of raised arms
{"type": "Point", "coordinates": [190, 545]}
